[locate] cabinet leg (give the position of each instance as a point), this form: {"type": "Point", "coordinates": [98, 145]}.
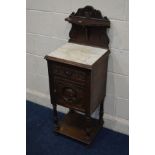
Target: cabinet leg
{"type": "Point", "coordinates": [55, 116]}
{"type": "Point", "coordinates": [71, 110]}
{"type": "Point", "coordinates": [101, 121]}
{"type": "Point", "coordinates": [88, 125]}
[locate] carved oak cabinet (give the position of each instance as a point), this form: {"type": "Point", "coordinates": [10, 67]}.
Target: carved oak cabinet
{"type": "Point", "coordinates": [77, 75]}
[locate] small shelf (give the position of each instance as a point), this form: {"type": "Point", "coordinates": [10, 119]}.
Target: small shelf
{"type": "Point", "coordinates": [83, 21]}
{"type": "Point", "coordinates": [89, 27]}
{"type": "Point", "coordinates": [73, 125]}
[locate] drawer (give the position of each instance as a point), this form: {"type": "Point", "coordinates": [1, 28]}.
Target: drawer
{"type": "Point", "coordinates": [69, 94]}
{"type": "Point", "coordinates": [69, 72]}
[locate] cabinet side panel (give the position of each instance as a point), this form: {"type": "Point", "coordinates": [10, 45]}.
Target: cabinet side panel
{"type": "Point", "coordinates": [98, 81]}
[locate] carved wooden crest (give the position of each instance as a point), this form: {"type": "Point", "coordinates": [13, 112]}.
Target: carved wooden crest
{"type": "Point", "coordinates": [89, 27]}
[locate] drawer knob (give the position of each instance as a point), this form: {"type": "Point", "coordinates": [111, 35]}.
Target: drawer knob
{"type": "Point", "coordinates": [69, 73]}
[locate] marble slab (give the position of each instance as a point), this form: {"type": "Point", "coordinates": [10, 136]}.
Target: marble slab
{"type": "Point", "coordinates": [82, 54]}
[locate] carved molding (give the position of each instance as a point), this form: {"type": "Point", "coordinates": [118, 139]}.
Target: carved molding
{"type": "Point", "coordinates": [89, 12]}
{"type": "Point", "coordinates": [89, 27]}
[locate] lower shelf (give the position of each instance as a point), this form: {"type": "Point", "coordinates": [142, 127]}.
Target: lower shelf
{"type": "Point", "coordinates": [74, 126]}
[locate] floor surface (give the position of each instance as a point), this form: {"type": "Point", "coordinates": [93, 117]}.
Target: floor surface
{"type": "Point", "coordinates": [41, 140]}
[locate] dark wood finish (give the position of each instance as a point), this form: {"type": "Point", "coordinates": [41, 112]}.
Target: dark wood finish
{"type": "Point", "coordinates": [80, 87]}
{"type": "Point", "coordinates": [55, 114]}
{"type": "Point", "coordinates": [89, 27]}
{"type": "Point", "coordinates": [101, 114]}
{"type": "Point", "coordinates": [98, 81]}
{"type": "Point", "coordinates": [74, 124]}
{"type": "Point", "coordinates": [69, 90]}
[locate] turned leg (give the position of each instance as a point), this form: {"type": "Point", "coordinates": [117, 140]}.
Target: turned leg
{"type": "Point", "coordinates": [55, 115]}
{"type": "Point", "coordinates": [88, 125]}
{"type": "Point", "coordinates": [101, 121]}
{"type": "Point", "coordinates": [71, 110]}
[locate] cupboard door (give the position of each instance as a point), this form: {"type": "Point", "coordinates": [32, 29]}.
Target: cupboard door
{"type": "Point", "coordinates": [69, 94]}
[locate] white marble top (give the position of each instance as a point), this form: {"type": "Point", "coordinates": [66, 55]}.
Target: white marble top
{"type": "Point", "coordinates": [78, 53]}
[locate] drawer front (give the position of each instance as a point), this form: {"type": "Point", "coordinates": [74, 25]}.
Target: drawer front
{"type": "Point", "coordinates": [70, 73]}
{"type": "Point", "coordinates": [69, 94]}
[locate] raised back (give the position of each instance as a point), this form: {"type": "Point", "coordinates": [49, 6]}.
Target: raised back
{"type": "Point", "coordinates": [89, 27]}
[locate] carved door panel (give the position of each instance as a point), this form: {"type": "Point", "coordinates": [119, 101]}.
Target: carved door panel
{"type": "Point", "coordinates": [69, 94]}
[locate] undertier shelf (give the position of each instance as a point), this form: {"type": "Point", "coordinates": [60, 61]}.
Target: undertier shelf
{"type": "Point", "coordinates": [74, 126]}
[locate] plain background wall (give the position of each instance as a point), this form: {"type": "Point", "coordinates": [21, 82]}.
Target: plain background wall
{"type": "Point", "coordinates": [47, 30]}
